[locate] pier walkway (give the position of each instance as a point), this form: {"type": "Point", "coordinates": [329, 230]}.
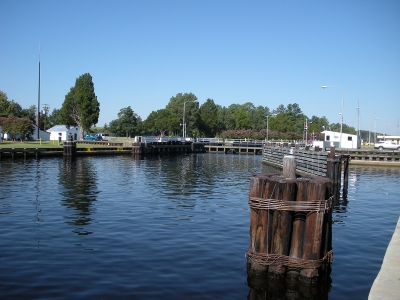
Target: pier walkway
{"type": "Point", "coordinates": [387, 283]}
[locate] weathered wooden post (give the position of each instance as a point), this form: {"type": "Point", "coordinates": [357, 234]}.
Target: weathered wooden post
{"type": "Point", "coordinates": [346, 161]}
{"type": "Point", "coordinates": [317, 190]}
{"type": "Point", "coordinates": [299, 221]}
{"type": "Point", "coordinates": [282, 224]}
{"type": "Point", "coordinates": [289, 167]}
{"type": "Point", "coordinates": [333, 173]}
{"type": "Point", "coordinates": [330, 172]}
{"type": "Point", "coordinates": [258, 224]}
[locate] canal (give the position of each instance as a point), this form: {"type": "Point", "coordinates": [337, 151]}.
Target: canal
{"type": "Point", "coordinates": [168, 227]}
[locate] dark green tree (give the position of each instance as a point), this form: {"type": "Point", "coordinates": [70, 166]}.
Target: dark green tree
{"type": "Point", "coordinates": [281, 123]}
{"type": "Point", "coordinates": [149, 123]}
{"type": "Point", "coordinates": [258, 117]}
{"type": "Point", "coordinates": [242, 120]}
{"type": "Point", "coordinates": [140, 129]}
{"type": "Point", "coordinates": [114, 127]}
{"type": "Point", "coordinates": [291, 114]}
{"type": "Point", "coordinates": [208, 113]}
{"type": "Point", "coordinates": [166, 122]}
{"type": "Point", "coordinates": [185, 102]}
{"type": "Point", "coordinates": [127, 121]}
{"type": "Point", "coordinates": [106, 129]}
{"type": "Point", "coordinates": [334, 127]}
{"type": "Point", "coordinates": [229, 120]}
{"type": "Point", "coordinates": [348, 129]}
{"type": "Point", "coordinates": [280, 109]}
{"type": "Point", "coordinates": [9, 108]}
{"type": "Point", "coordinates": [29, 113]}
{"type": "Point", "coordinates": [80, 107]}
{"type": "Point", "coordinates": [162, 122]}
{"type": "Point", "coordinates": [221, 115]}
{"type": "Point", "coordinates": [296, 116]}
{"type": "Point", "coordinates": [53, 118]}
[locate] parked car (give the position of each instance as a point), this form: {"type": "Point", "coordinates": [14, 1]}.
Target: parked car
{"type": "Point", "coordinates": [387, 145]}
{"type": "Point", "coordinates": [104, 136]}
{"type": "Point", "coordinates": [92, 137]}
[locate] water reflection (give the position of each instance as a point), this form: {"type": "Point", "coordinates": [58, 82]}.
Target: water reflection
{"type": "Point", "coordinates": [38, 217]}
{"type": "Point", "coordinates": [340, 206]}
{"type": "Point", "coordinates": [263, 288]}
{"type": "Point", "coordinates": [194, 182]}
{"type": "Point", "coordinates": [79, 181]}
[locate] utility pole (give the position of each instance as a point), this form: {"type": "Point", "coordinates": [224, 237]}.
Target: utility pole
{"type": "Point", "coordinates": [38, 107]}
{"type": "Point", "coordinates": [46, 109]}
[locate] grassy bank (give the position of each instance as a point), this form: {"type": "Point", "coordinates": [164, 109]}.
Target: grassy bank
{"type": "Point", "coordinates": [43, 144]}
{"type": "Point", "coordinates": [55, 144]}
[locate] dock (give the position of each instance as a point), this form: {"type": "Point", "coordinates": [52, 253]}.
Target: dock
{"type": "Point", "coordinates": [234, 149]}
{"type": "Point", "coordinates": [311, 160]}
{"type": "Point", "coordinates": [372, 157]}
{"type": "Point", "coordinates": [387, 283]}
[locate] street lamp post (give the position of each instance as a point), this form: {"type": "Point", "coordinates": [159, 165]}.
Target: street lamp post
{"type": "Point", "coordinates": [369, 125]}
{"type": "Point", "coordinates": [341, 114]}
{"type": "Point", "coordinates": [375, 130]}
{"type": "Point", "coordinates": [306, 130]}
{"type": "Point", "coordinates": [184, 117]}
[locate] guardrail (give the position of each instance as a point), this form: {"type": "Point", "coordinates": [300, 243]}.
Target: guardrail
{"type": "Point", "coordinates": [308, 161]}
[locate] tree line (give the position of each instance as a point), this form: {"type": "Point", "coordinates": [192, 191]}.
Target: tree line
{"type": "Point", "coordinates": [212, 120]}
{"type": "Point", "coordinates": [81, 108]}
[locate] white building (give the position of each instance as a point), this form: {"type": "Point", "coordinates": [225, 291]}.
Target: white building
{"type": "Point", "coordinates": [332, 139]}
{"type": "Point", "coordinates": [392, 138]}
{"type": "Point", "coordinates": [43, 135]}
{"type": "Point", "coordinates": [1, 135]}
{"type": "Point", "coordinates": [61, 132]}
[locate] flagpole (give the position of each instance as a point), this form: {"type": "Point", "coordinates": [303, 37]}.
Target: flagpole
{"type": "Point", "coordinates": [38, 108]}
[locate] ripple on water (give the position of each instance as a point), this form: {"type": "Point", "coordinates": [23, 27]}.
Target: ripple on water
{"type": "Point", "coordinates": [164, 228]}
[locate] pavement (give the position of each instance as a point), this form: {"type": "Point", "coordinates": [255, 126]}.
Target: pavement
{"type": "Point", "coordinates": [387, 283]}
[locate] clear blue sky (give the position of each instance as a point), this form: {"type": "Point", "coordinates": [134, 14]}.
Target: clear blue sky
{"type": "Point", "coordinates": [142, 53]}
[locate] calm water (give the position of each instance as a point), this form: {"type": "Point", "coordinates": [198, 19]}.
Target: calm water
{"type": "Point", "coordinates": [164, 228]}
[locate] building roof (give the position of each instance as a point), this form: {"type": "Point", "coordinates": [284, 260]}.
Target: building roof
{"type": "Point", "coordinates": [333, 132]}
{"type": "Point", "coordinates": [58, 128]}
{"type": "Point", "coordinates": [389, 137]}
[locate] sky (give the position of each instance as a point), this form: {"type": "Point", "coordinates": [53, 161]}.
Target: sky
{"type": "Point", "coordinates": [142, 53]}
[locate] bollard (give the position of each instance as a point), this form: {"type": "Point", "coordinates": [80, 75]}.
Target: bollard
{"type": "Point", "coordinates": [69, 147]}
{"type": "Point", "coordinates": [289, 167]}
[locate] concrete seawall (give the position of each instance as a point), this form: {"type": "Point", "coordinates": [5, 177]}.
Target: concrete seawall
{"type": "Point", "coordinates": [387, 283]}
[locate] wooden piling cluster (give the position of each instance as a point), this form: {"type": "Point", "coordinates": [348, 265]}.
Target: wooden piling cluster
{"type": "Point", "coordinates": [290, 226]}
{"type": "Point", "coordinates": [69, 148]}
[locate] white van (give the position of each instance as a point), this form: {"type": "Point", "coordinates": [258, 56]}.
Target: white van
{"type": "Point", "coordinates": [104, 136]}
